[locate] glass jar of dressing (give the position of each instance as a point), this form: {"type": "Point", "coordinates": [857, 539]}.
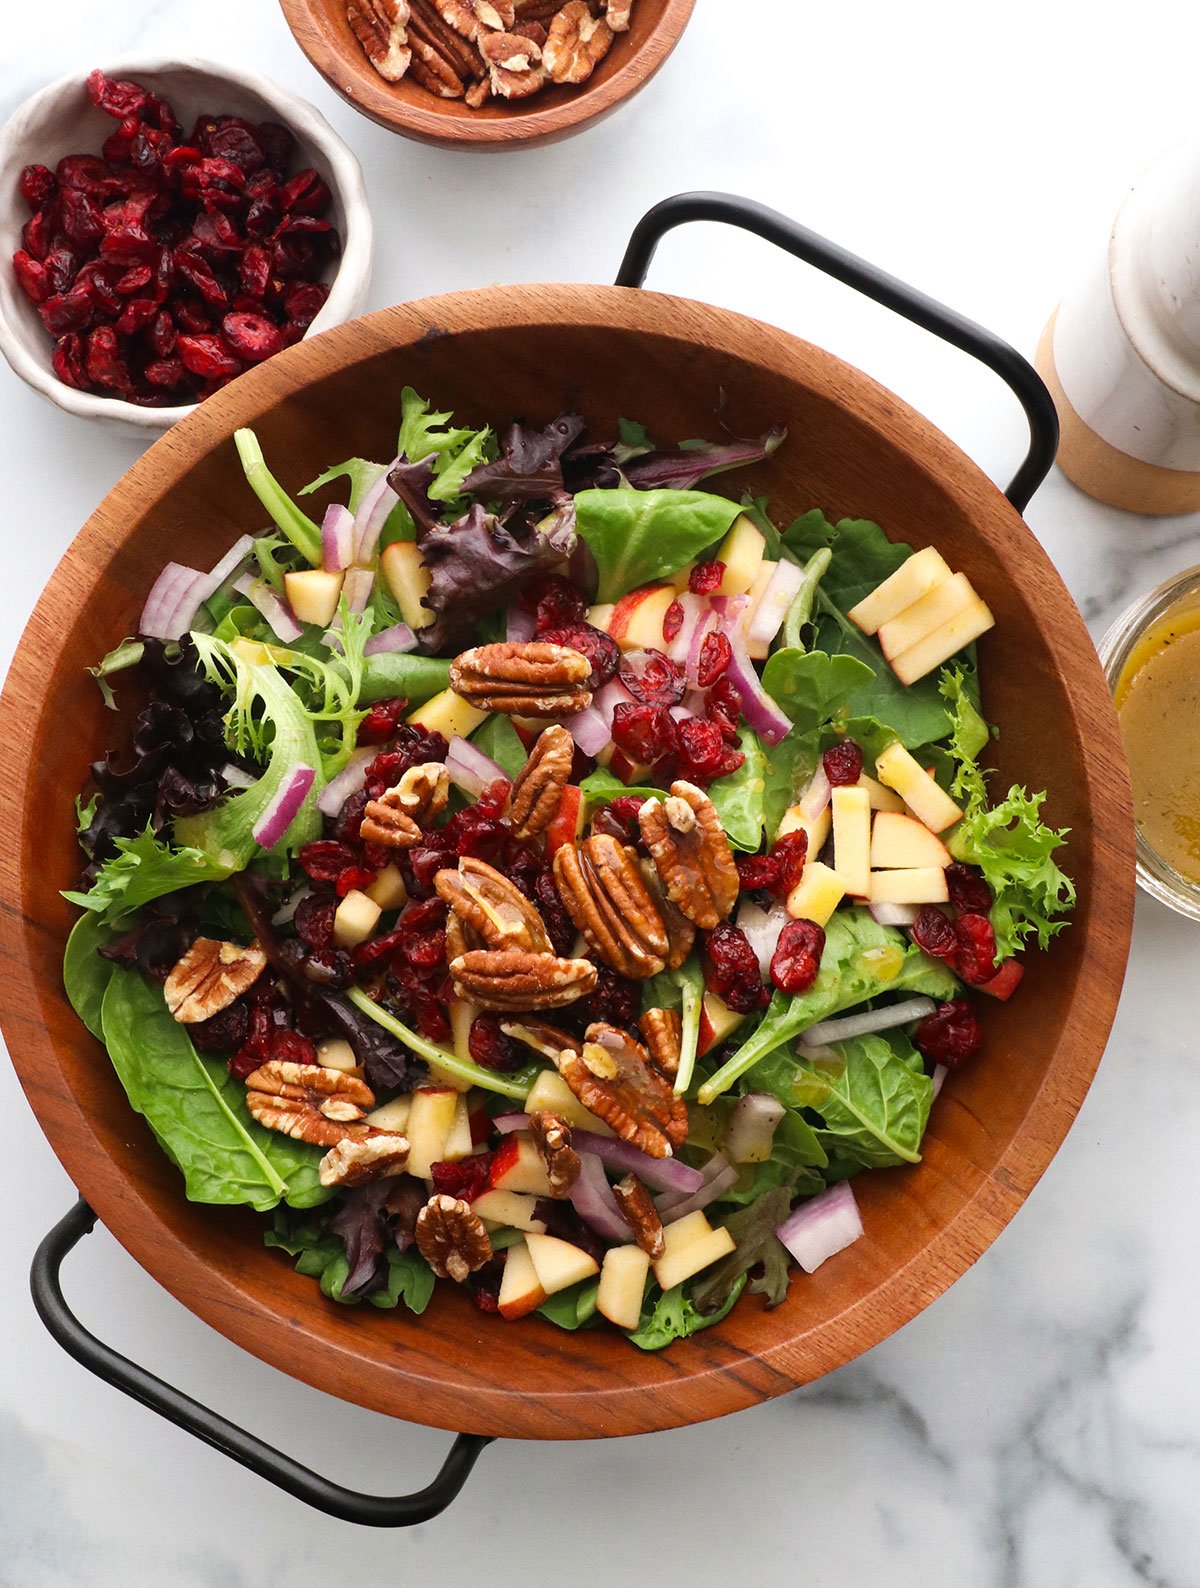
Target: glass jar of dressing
{"type": "Point", "coordinates": [1151, 657]}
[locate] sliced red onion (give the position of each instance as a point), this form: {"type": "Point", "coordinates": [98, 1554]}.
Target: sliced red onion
{"type": "Point", "coordinates": [230, 562]}
{"type": "Point", "coordinates": [287, 800]}
{"type": "Point", "coordinates": [348, 781]}
{"type": "Point", "coordinates": [589, 731]}
{"type": "Point", "coordinates": [715, 1166]}
{"type": "Point", "coordinates": [681, 714]}
{"type": "Point", "coordinates": [940, 1072]}
{"type": "Point", "coordinates": [709, 1192]}
{"type": "Point", "coordinates": [608, 698]}
{"type": "Point", "coordinates": [281, 620]}
{"type": "Point", "coordinates": [767, 618]}
{"type": "Point", "coordinates": [592, 1198]}
{"type": "Point", "coordinates": [752, 1127]}
{"type": "Point", "coordinates": [848, 1026]}
{"type": "Point", "coordinates": [471, 770]}
{"type": "Point", "coordinates": [731, 609]}
{"type": "Point", "coordinates": [893, 914]}
{"type": "Point", "coordinates": [398, 640]}
{"type": "Point", "coordinates": [337, 538]}
{"type": "Point", "coordinates": [664, 1174]}
{"type": "Point", "coordinates": [694, 609]}
{"type": "Point", "coordinates": [371, 517]}
{"type": "Point", "coordinates": [758, 708]}
{"type": "Point", "coordinates": [816, 796]}
{"type": "Point", "coordinates": [762, 929]}
{"type": "Point", "coordinates": [357, 590]}
{"type": "Point", "coordinates": [520, 626]}
{"type": "Point", "coordinates": [822, 1227]}
{"type": "Point", "coordinates": [175, 598]}
{"type": "Point", "coordinates": [237, 777]}
{"type": "Point", "coordinates": [286, 911]}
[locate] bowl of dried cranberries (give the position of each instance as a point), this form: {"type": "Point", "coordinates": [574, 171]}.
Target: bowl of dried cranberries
{"type": "Point", "coordinates": [165, 226]}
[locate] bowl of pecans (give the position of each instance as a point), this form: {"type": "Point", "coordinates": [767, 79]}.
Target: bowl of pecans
{"type": "Point", "coordinates": [487, 74]}
{"type": "Point", "coordinates": [168, 225]}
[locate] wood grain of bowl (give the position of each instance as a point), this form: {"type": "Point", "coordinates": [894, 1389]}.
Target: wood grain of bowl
{"type": "Point", "coordinates": [855, 449]}
{"type": "Point", "coordinates": [321, 30]}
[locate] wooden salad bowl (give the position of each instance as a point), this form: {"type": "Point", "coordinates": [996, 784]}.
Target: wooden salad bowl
{"type": "Point", "coordinates": [854, 449]}
{"type": "Point", "coordinates": [322, 31]}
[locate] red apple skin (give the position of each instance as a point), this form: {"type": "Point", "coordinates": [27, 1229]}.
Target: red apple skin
{"type": "Point", "coordinates": [567, 822]}
{"type": "Point", "coordinates": [1005, 982]}
{"type": "Point", "coordinates": [631, 773]}
{"type": "Point", "coordinates": [707, 1036]}
{"type": "Point", "coordinates": [503, 1160]}
{"type": "Point", "coordinates": [627, 606]}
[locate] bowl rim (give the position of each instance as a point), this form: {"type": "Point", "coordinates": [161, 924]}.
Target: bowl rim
{"type": "Point", "coordinates": [693, 1382]}
{"type": "Point", "coordinates": [516, 129]}
{"type": "Point", "coordinates": [343, 171]}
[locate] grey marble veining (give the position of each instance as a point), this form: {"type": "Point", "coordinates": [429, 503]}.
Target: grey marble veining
{"type": "Point", "coordinates": [1039, 1426]}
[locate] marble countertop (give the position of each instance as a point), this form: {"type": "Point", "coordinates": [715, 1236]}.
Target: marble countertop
{"type": "Point", "coordinates": [1039, 1426]}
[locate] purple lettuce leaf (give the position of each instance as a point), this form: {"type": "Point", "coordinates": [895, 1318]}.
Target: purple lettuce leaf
{"type": "Point", "coordinates": [529, 468]}
{"type": "Point", "coordinates": [411, 482]}
{"type": "Point", "coordinates": [680, 469]}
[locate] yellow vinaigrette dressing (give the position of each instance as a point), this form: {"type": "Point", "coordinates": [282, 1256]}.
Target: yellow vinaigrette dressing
{"type": "Point", "coordinates": [1158, 702]}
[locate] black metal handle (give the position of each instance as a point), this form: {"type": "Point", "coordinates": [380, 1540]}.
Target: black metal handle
{"type": "Point", "coordinates": [847, 268]}
{"type": "Point", "coordinates": [371, 1510]}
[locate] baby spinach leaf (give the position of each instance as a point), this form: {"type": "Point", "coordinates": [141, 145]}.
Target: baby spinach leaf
{"type": "Point", "coordinates": [85, 975]}
{"type": "Point", "coordinates": [862, 555]}
{"type": "Point", "coordinates": [876, 1109]}
{"type": "Point", "coordinates": [498, 738]}
{"type": "Point", "coordinates": [811, 686]}
{"type": "Point", "coordinates": [789, 770]}
{"type": "Point", "coordinates": [739, 797]}
{"type": "Point", "coordinates": [412, 678]}
{"type": "Point", "coordinates": [197, 1110]}
{"type": "Point", "coordinates": [602, 785]}
{"type": "Point", "coordinates": [638, 536]}
{"type": "Point", "coordinates": [673, 1316]}
{"type": "Point", "coordinates": [573, 1308]}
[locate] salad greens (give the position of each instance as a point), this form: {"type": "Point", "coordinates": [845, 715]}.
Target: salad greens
{"type": "Point", "coordinates": [235, 810]}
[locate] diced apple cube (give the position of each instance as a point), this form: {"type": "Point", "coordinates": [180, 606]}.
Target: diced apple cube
{"type": "Point", "coordinates": [551, 1093]}
{"type": "Point", "coordinates": [742, 551]}
{"type": "Point", "coordinates": [355, 919]}
{"type": "Point", "coordinates": [511, 1208]}
{"type": "Point", "coordinates": [684, 1231]}
{"type": "Point", "coordinates": [817, 895]}
{"type": "Point", "coordinates": [717, 1021]}
{"type": "Point", "coordinates": [429, 1123]}
{"type": "Point", "coordinates": [913, 579]}
{"type": "Point", "coordinates": [463, 1014]}
{"type": "Point", "coordinates": [622, 1285]}
{"type": "Point", "coordinates": [690, 1250]}
{"type": "Point", "coordinates": [758, 649]}
{"type": "Point", "coordinates": [637, 619]}
{"type": "Point", "coordinates": [388, 890]}
{"type": "Point", "coordinates": [520, 1289]}
{"type": "Point", "coordinates": [392, 1116]}
{"type": "Point", "coordinates": [336, 1054]}
{"type": "Point", "coordinates": [313, 595]}
{"type": "Point", "coordinates": [816, 827]}
{"type": "Point", "coordinates": [600, 616]}
{"type": "Point", "coordinates": [937, 607]}
{"type": "Point", "coordinates": [408, 579]}
{"type": "Point", "coordinates": [902, 841]}
{"type": "Point", "coordinates": [916, 885]}
{"type": "Point", "coordinates": [882, 799]}
{"type": "Point", "coordinates": [975, 619]}
{"type": "Point", "coordinates": [930, 804]}
{"type": "Point", "coordinates": [558, 1264]}
{"type": "Point", "coordinates": [458, 1143]}
{"type": "Point", "coordinates": [852, 839]}
{"type": "Point", "coordinates": [448, 714]}
{"type": "Point", "coordinates": [517, 1166]}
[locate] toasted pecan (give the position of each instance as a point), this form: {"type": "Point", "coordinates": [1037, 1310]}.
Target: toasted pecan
{"type": "Point", "coordinates": [537, 792]}
{"type": "Point", "coordinates": [642, 1217]}
{"type": "Point", "coordinates": [495, 909]}
{"type": "Point", "coordinates": [523, 678]}
{"type": "Point", "coordinates": [552, 1138]}
{"type": "Point", "coordinates": [613, 1078]}
{"type": "Point", "coordinates": [691, 854]}
{"type": "Point", "coordinates": [576, 44]}
{"type": "Point", "coordinates": [663, 1031]}
{"type": "Point", "coordinates": [211, 976]}
{"type": "Point", "coordinates": [451, 1238]}
{"type": "Point", "coordinates": [602, 890]}
{"type": "Point", "coordinates": [511, 980]}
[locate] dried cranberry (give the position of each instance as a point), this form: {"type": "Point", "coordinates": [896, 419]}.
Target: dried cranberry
{"type": "Point", "coordinates": [133, 281]}
{"type": "Point", "coordinates": [353, 877]}
{"type": "Point", "coordinates": [104, 363]}
{"type": "Point", "coordinates": [843, 763]}
{"type": "Point", "coordinates": [254, 270]}
{"type": "Point", "coordinates": [715, 656]}
{"type": "Point", "coordinates": [79, 217]}
{"type": "Point", "coordinates": [88, 175]}
{"type": "Point", "coordinates": [306, 192]}
{"type": "Point", "coordinates": [313, 920]}
{"type": "Point", "coordinates": [324, 860]}
{"type": "Point", "coordinates": [414, 745]}
{"type": "Point", "coordinates": [705, 578]}
{"type": "Point", "coordinates": [231, 138]}
{"type": "Point", "coordinates": [968, 890]}
{"type": "Point", "coordinates": [208, 356]}
{"type": "Point", "coordinates": [757, 871]}
{"type": "Point", "coordinates": [672, 620]}
{"type": "Point", "coordinates": [278, 143]}
{"type": "Point", "coordinates": [379, 724]}
{"type": "Point", "coordinates": [731, 969]}
{"type": "Point", "coordinates": [61, 267]}
{"type": "Point", "coordinates": [723, 705]}
{"type": "Point", "coordinates": [67, 361]}
{"type": "Point", "coordinates": [161, 335]}
{"type": "Point", "coordinates": [32, 276]}
{"type": "Point", "coordinates": [485, 1284]}
{"type": "Point", "coordinates": [791, 853]}
{"type": "Point", "coordinates": [252, 336]}
{"type": "Point", "coordinates": [797, 956]}
{"type": "Point", "coordinates": [466, 1178]}
{"type": "Point", "coordinates": [137, 314]}
{"type": "Point", "coordinates": [702, 752]}
{"type": "Point", "coordinates": [68, 311]}
{"type": "Point", "coordinates": [328, 968]}
{"type": "Point", "coordinates": [619, 818]}
{"type": "Point", "coordinates": [37, 185]}
{"type": "Point", "coordinates": [934, 933]}
{"type": "Point", "coordinates": [421, 863]}
{"type": "Point", "coordinates": [490, 1047]}
{"type": "Point", "coordinates": [223, 1032]}
{"type": "Point", "coordinates": [601, 650]}
{"type": "Point", "coordinates": [118, 99]}
{"type": "Point", "coordinates": [165, 373]}
{"type": "Point", "coordinates": [289, 1047]}
{"type": "Point", "coordinates": [554, 602]}
{"type": "Point", "coordinates": [304, 300]}
{"type": "Point", "coordinates": [199, 273]}
{"type": "Point", "coordinates": [613, 1000]}
{"type": "Point", "coordinates": [292, 256]}
{"type": "Point", "coordinates": [644, 733]}
{"type": "Point", "coordinates": [652, 678]}
{"type": "Point", "coordinates": [976, 940]}
{"type": "Point", "coordinates": [37, 234]}
{"type": "Point", "coordinates": [559, 925]}
{"type": "Point", "coordinates": [950, 1035]}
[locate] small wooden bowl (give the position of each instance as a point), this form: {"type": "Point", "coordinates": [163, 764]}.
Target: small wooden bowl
{"type": "Point", "coordinates": [856, 450]}
{"type": "Point", "coordinates": [323, 33]}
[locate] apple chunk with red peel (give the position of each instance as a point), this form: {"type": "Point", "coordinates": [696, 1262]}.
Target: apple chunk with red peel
{"type": "Point", "coordinates": [558, 1264]}
{"type": "Point", "coordinates": [511, 1208]}
{"type": "Point", "coordinates": [637, 618]}
{"type": "Point", "coordinates": [914, 578]}
{"type": "Point", "coordinates": [517, 1166]}
{"type": "Point", "coordinates": [1005, 982]}
{"type": "Point", "coordinates": [717, 1021]}
{"type": "Point", "coordinates": [902, 841]}
{"type": "Point", "coordinates": [521, 1290]}
{"type": "Point", "coordinates": [622, 1285]}
{"type": "Point", "coordinates": [566, 825]}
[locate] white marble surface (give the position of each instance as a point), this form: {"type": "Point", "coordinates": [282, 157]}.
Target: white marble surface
{"type": "Point", "coordinates": [1039, 1427]}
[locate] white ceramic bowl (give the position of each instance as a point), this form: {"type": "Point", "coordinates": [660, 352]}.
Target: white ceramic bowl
{"type": "Point", "coordinates": [62, 120]}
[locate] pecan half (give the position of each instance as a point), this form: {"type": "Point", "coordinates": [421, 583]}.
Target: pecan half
{"type": "Point", "coordinates": [537, 792]}
{"type": "Point", "coordinates": [429, 31]}
{"type": "Point", "coordinates": [211, 976]}
{"type": "Point", "coordinates": [308, 1101]}
{"type": "Point", "coordinates": [381, 28]}
{"type": "Point", "coordinates": [545, 1039]}
{"type": "Point", "coordinates": [510, 980]}
{"type": "Point", "coordinates": [614, 1079]}
{"type": "Point", "coordinates": [578, 42]}
{"type": "Point", "coordinates": [460, 938]}
{"type": "Point", "coordinates": [616, 14]}
{"type": "Point", "coordinates": [516, 71]}
{"type": "Point", "coordinates": [663, 1031]}
{"type": "Point", "coordinates": [523, 678]}
{"type": "Point", "coordinates": [470, 18]}
{"type": "Point", "coordinates": [423, 791]}
{"type": "Point", "coordinates": [691, 853]}
{"type": "Point", "coordinates": [479, 93]}
{"type": "Point", "coordinates": [385, 821]}
{"type": "Point", "coordinates": [355, 1161]}
{"type": "Point", "coordinates": [451, 1238]}
{"type": "Point", "coordinates": [602, 889]}
{"type": "Point", "coordinates": [552, 1138]}
{"type": "Point", "coordinates": [641, 1215]}
{"type": "Point", "coordinates": [681, 934]}
{"type": "Point", "coordinates": [534, 11]}
{"type": "Point", "coordinates": [491, 906]}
